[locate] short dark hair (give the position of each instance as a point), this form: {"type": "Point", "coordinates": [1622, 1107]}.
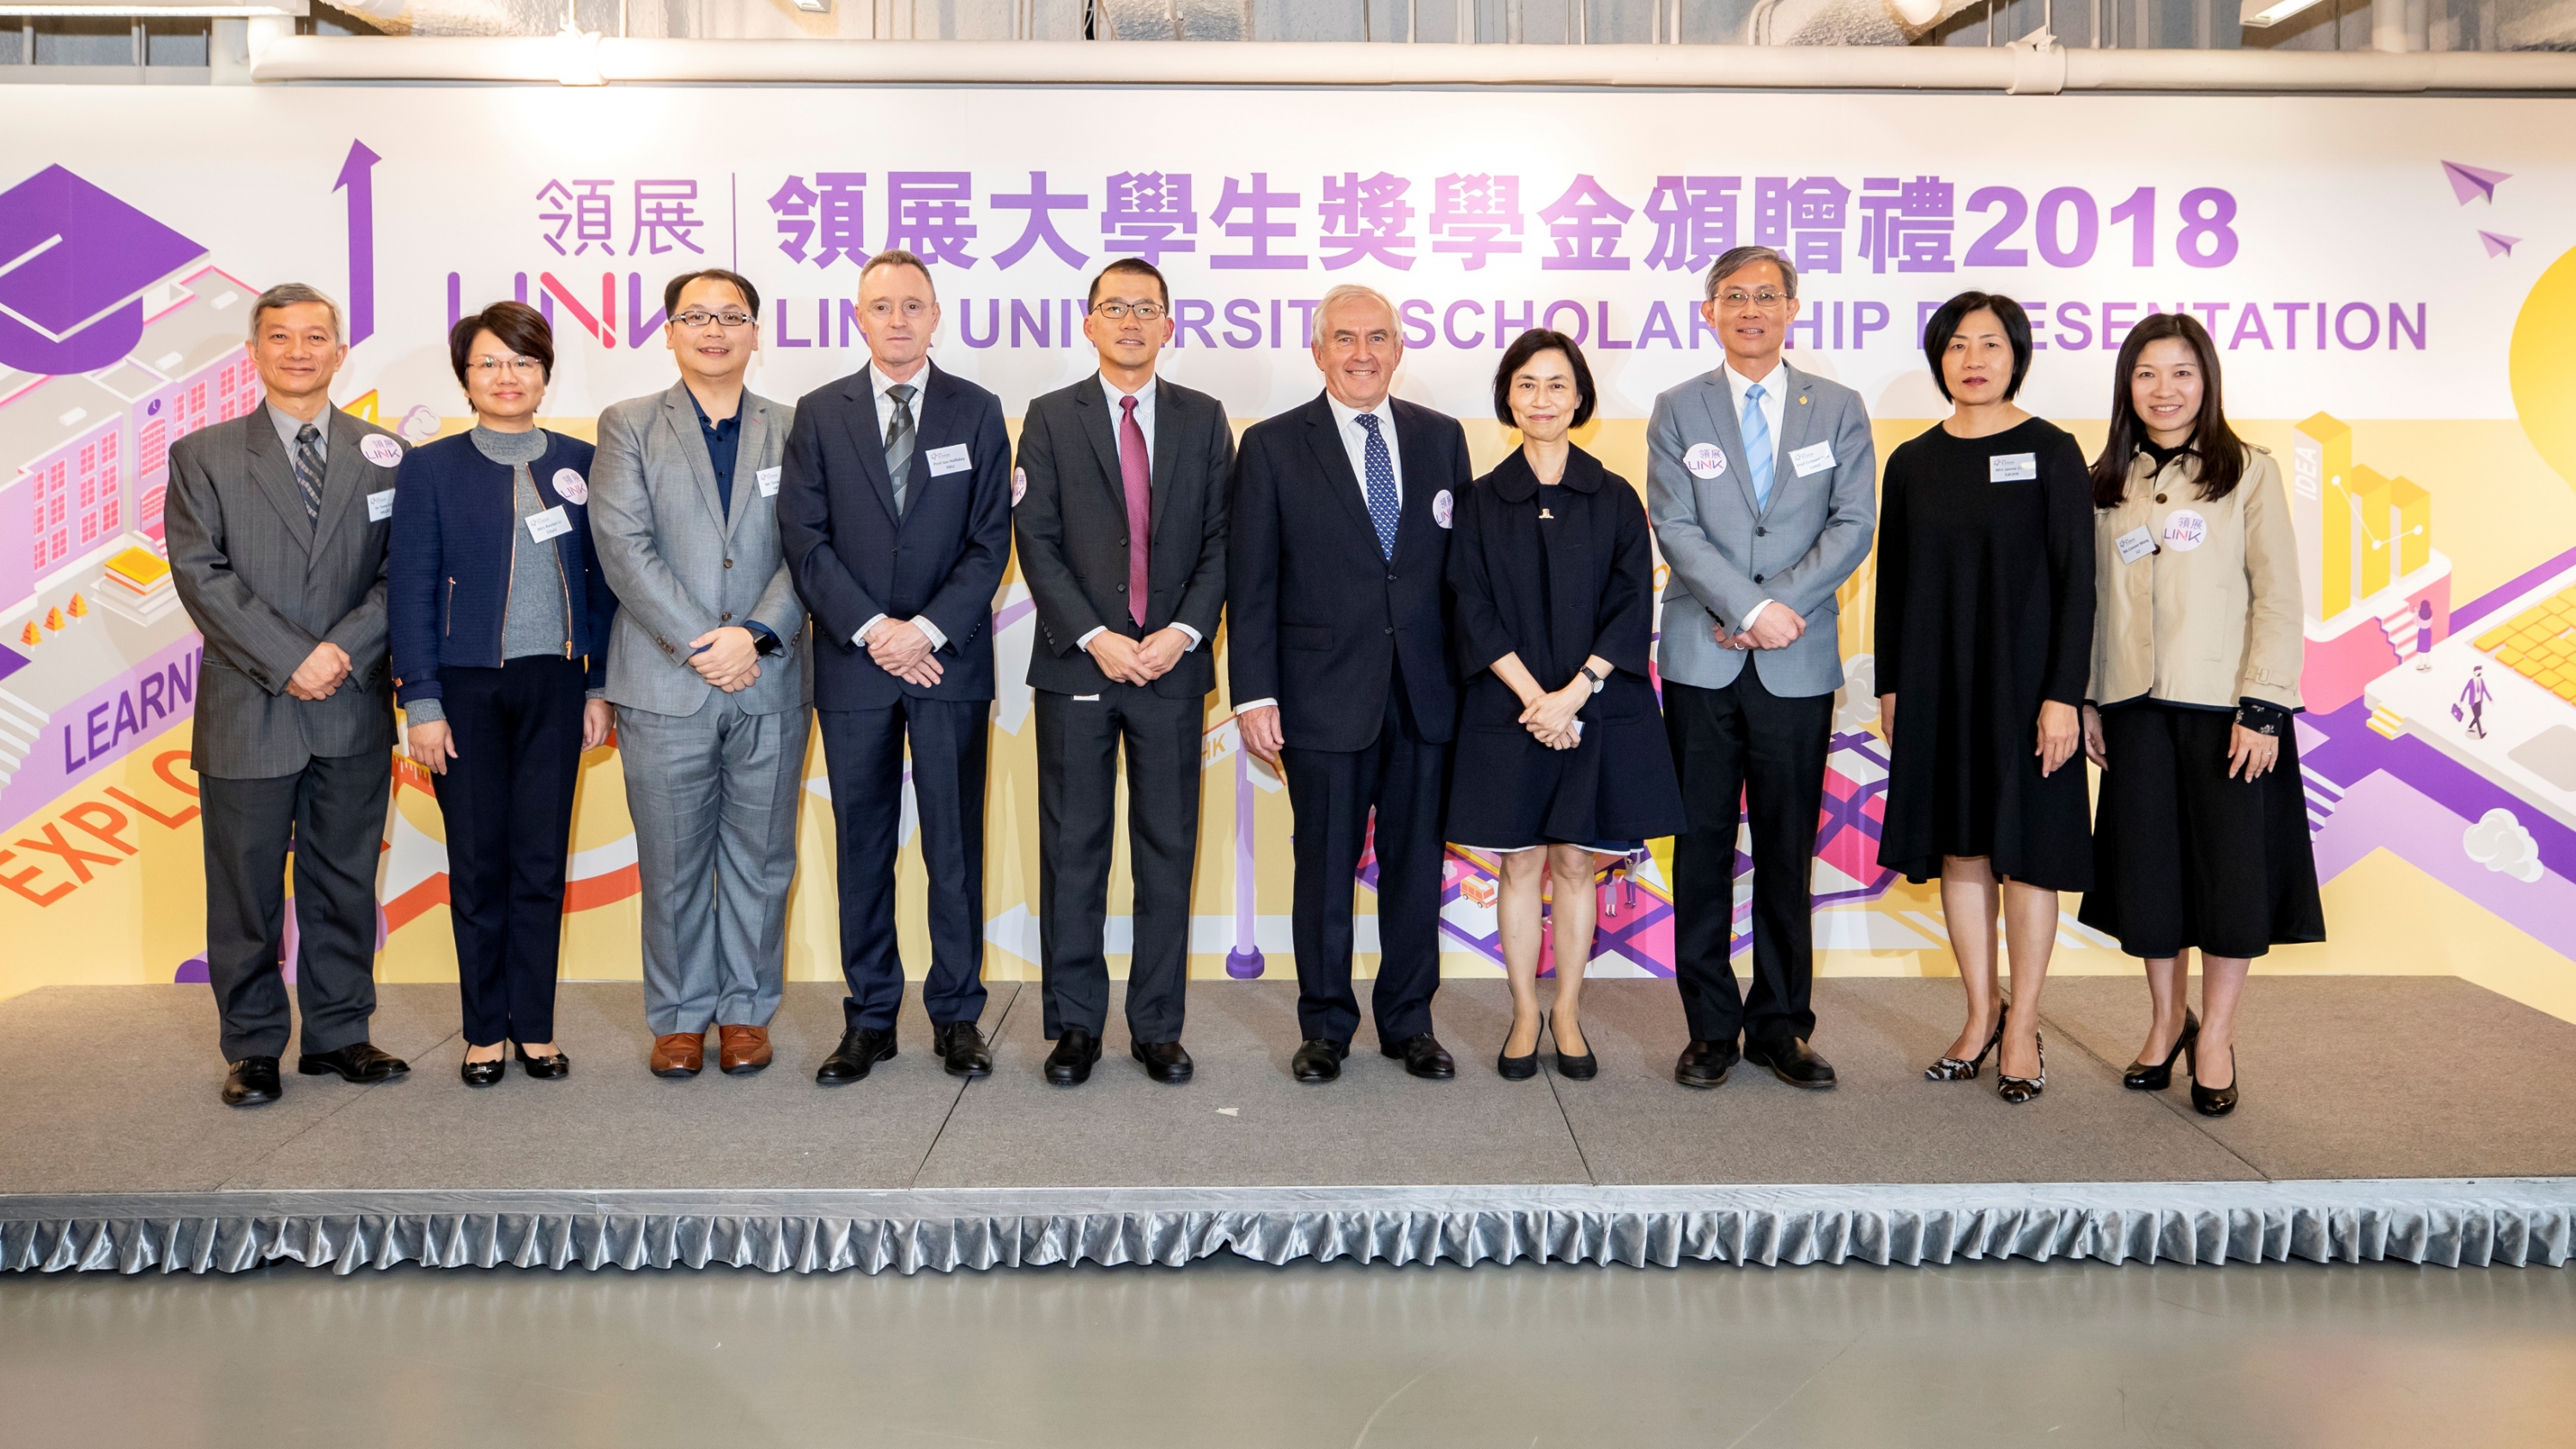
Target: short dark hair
{"type": "Point", "coordinates": [739, 282]}
{"type": "Point", "coordinates": [1945, 325]}
{"type": "Point", "coordinates": [1134, 266]}
{"type": "Point", "coordinates": [1736, 259]}
{"type": "Point", "coordinates": [1517, 356]}
{"type": "Point", "coordinates": [521, 328]}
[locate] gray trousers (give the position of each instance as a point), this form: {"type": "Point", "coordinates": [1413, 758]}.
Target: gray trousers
{"type": "Point", "coordinates": [713, 797]}
{"type": "Point", "coordinates": [331, 816]}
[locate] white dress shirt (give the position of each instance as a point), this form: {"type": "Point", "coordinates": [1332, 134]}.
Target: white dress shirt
{"type": "Point", "coordinates": [878, 382]}
{"type": "Point", "coordinates": [1145, 423]}
{"type": "Point", "coordinates": [1774, 383]}
{"type": "Point", "coordinates": [1355, 443]}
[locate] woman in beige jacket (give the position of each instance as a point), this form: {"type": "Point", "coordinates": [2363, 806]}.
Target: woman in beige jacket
{"type": "Point", "coordinates": [2200, 837]}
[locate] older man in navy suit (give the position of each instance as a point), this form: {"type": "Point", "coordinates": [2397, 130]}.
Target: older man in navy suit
{"type": "Point", "coordinates": [895, 506]}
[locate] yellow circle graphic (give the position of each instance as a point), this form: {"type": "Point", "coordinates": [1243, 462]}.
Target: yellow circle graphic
{"type": "Point", "coordinates": [2543, 366]}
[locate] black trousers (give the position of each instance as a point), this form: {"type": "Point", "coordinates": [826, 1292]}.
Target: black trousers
{"type": "Point", "coordinates": [863, 752]}
{"type": "Point", "coordinates": [1744, 743]}
{"type": "Point", "coordinates": [331, 816]}
{"type": "Point", "coordinates": [507, 801]}
{"type": "Point", "coordinates": [1078, 744]}
{"type": "Point", "coordinates": [1405, 778]}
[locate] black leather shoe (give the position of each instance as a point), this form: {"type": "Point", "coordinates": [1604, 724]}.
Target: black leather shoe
{"type": "Point", "coordinates": [861, 1047]}
{"type": "Point", "coordinates": [1516, 1069]}
{"type": "Point", "coordinates": [1704, 1063]}
{"type": "Point", "coordinates": [252, 1082]}
{"type": "Point", "coordinates": [358, 1062]}
{"type": "Point", "coordinates": [2143, 1076]}
{"type": "Point", "coordinates": [961, 1050]}
{"type": "Point", "coordinates": [2213, 1101]}
{"type": "Point", "coordinates": [1792, 1061]}
{"type": "Point", "coordinates": [483, 1074]}
{"type": "Point", "coordinates": [1422, 1056]}
{"type": "Point", "coordinates": [1069, 1065]}
{"type": "Point", "coordinates": [553, 1068]}
{"type": "Point", "coordinates": [1165, 1061]}
{"type": "Point", "coordinates": [1318, 1060]}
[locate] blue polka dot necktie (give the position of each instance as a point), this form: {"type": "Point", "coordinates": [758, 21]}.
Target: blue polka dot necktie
{"type": "Point", "coordinates": [1384, 506]}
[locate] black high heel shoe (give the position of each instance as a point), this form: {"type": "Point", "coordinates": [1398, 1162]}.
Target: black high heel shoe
{"type": "Point", "coordinates": [545, 1069]}
{"type": "Point", "coordinates": [1951, 1069]}
{"type": "Point", "coordinates": [483, 1074]}
{"type": "Point", "coordinates": [2018, 1090]}
{"type": "Point", "coordinates": [2213, 1101]}
{"type": "Point", "coordinates": [1573, 1068]}
{"type": "Point", "coordinates": [1516, 1068]}
{"type": "Point", "coordinates": [2143, 1078]}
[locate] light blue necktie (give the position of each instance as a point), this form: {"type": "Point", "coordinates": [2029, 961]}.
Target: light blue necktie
{"type": "Point", "coordinates": [1758, 447]}
{"type": "Point", "coordinates": [1383, 505]}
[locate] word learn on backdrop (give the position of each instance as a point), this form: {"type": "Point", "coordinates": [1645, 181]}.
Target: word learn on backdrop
{"type": "Point", "coordinates": [2392, 284]}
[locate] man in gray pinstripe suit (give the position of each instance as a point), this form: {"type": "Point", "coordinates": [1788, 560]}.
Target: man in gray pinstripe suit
{"type": "Point", "coordinates": [277, 524]}
{"type": "Point", "coordinates": [706, 665]}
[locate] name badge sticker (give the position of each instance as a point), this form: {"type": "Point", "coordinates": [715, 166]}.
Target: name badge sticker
{"type": "Point", "coordinates": [2135, 544]}
{"type": "Point", "coordinates": [2012, 467]}
{"type": "Point", "coordinates": [380, 450]}
{"type": "Point", "coordinates": [768, 480]}
{"type": "Point", "coordinates": [1444, 509]}
{"type": "Point", "coordinates": [573, 487]}
{"type": "Point", "coordinates": [380, 506]}
{"type": "Point", "coordinates": [1814, 458]}
{"type": "Point", "coordinates": [1705, 460]}
{"type": "Point", "coordinates": [553, 523]}
{"type": "Point", "coordinates": [2185, 530]}
{"type": "Point", "coordinates": [951, 459]}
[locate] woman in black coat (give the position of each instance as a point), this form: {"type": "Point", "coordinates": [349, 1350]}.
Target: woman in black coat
{"type": "Point", "coordinates": [1561, 759]}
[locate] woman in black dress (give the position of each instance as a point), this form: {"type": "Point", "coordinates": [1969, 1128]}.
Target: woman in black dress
{"type": "Point", "coordinates": [1985, 634]}
{"type": "Point", "coordinates": [1561, 759]}
{"type": "Point", "coordinates": [2202, 840]}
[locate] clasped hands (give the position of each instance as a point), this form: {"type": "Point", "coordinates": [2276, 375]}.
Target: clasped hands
{"type": "Point", "coordinates": [321, 674]}
{"type": "Point", "coordinates": [1774, 628]}
{"type": "Point", "coordinates": [727, 657]}
{"type": "Point", "coordinates": [1551, 716]}
{"type": "Point", "coordinates": [1138, 661]}
{"type": "Point", "coordinates": [902, 650]}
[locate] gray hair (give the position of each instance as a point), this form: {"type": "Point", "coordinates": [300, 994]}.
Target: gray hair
{"type": "Point", "coordinates": [1352, 291]}
{"type": "Point", "coordinates": [292, 294]}
{"type": "Point", "coordinates": [1737, 259]}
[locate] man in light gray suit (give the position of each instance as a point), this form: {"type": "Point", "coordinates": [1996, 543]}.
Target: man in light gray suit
{"type": "Point", "coordinates": [1762, 485]}
{"type": "Point", "coordinates": [276, 524]}
{"type": "Point", "coordinates": [706, 665]}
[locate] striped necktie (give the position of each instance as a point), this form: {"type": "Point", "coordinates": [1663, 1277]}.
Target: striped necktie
{"type": "Point", "coordinates": [898, 443]}
{"type": "Point", "coordinates": [308, 470]}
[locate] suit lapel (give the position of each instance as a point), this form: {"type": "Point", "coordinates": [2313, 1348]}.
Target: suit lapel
{"type": "Point", "coordinates": [1720, 397]}
{"type": "Point", "coordinates": [870, 444]}
{"type": "Point", "coordinates": [342, 466]}
{"type": "Point", "coordinates": [1418, 483]}
{"type": "Point", "coordinates": [680, 414]}
{"type": "Point", "coordinates": [1101, 427]}
{"type": "Point", "coordinates": [746, 458]}
{"type": "Point", "coordinates": [1797, 426]}
{"type": "Point", "coordinates": [1167, 425]}
{"type": "Point", "coordinates": [274, 473]}
{"type": "Point", "coordinates": [1324, 435]}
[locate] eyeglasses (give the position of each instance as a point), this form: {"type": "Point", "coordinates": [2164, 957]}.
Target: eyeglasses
{"type": "Point", "coordinates": [1766, 299]}
{"type": "Point", "coordinates": [913, 308]}
{"type": "Point", "coordinates": [1121, 311]}
{"type": "Point", "coordinates": [490, 367]}
{"type": "Point", "coordinates": [697, 318]}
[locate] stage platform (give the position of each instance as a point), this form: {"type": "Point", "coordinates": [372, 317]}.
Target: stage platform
{"type": "Point", "coordinates": [2420, 1119]}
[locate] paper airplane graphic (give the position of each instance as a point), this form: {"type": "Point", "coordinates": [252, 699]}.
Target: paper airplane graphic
{"type": "Point", "coordinates": [2499, 246]}
{"type": "Point", "coordinates": [2469, 181]}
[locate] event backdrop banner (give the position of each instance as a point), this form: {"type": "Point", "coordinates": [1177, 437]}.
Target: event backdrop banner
{"type": "Point", "coordinates": [2392, 281]}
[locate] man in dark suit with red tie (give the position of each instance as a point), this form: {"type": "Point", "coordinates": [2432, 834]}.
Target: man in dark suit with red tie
{"type": "Point", "coordinates": [1340, 669]}
{"type": "Point", "coordinates": [894, 502]}
{"type": "Point", "coordinates": [1122, 541]}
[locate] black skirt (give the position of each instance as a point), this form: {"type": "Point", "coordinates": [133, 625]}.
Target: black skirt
{"type": "Point", "coordinates": [2184, 856]}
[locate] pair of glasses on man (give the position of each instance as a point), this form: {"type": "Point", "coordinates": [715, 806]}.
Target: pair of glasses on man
{"type": "Point", "coordinates": [696, 319]}
{"type": "Point", "coordinates": [1121, 311]}
{"type": "Point", "coordinates": [1767, 299]}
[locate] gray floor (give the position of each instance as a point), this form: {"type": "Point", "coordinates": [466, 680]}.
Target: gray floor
{"type": "Point", "coordinates": [1228, 1354]}
{"type": "Point", "coordinates": [2343, 1078]}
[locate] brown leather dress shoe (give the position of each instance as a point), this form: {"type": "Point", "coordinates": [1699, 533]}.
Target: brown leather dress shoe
{"type": "Point", "coordinates": [742, 1049]}
{"type": "Point", "coordinates": [682, 1054]}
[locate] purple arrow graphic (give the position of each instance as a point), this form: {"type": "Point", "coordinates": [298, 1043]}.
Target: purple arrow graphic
{"type": "Point", "coordinates": [357, 176]}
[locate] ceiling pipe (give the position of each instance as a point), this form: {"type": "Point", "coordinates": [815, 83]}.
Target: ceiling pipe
{"type": "Point", "coordinates": [594, 60]}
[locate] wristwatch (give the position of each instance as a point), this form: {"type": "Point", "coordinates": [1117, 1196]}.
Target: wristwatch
{"type": "Point", "coordinates": [1598, 680]}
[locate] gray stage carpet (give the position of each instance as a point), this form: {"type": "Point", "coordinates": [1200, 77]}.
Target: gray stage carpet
{"type": "Point", "coordinates": [2418, 1118]}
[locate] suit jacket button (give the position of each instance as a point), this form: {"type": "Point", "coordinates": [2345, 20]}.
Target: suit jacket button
{"type": "Point", "coordinates": [1390, 628]}
{"type": "Point", "coordinates": [728, 563]}
{"type": "Point", "coordinates": [1757, 578]}
{"type": "Point", "coordinates": [724, 618]}
{"type": "Point", "coordinates": [1122, 588]}
{"type": "Point", "coordinates": [1761, 533]}
{"type": "Point", "coordinates": [1390, 578]}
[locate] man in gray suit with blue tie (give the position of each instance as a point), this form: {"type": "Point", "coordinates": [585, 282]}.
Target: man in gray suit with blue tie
{"type": "Point", "coordinates": [1762, 485]}
{"type": "Point", "coordinates": [706, 668]}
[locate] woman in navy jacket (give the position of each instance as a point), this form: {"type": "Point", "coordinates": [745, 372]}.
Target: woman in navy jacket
{"type": "Point", "coordinates": [499, 617]}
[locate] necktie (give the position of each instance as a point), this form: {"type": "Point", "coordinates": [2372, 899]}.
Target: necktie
{"type": "Point", "coordinates": [1137, 470]}
{"type": "Point", "coordinates": [308, 469]}
{"type": "Point", "coordinates": [898, 443]}
{"type": "Point", "coordinates": [1758, 447]}
{"type": "Point", "coordinates": [1383, 505]}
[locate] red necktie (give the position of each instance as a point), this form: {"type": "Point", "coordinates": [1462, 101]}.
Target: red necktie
{"type": "Point", "coordinates": [1136, 467]}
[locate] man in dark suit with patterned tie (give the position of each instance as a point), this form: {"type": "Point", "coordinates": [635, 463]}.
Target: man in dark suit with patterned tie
{"type": "Point", "coordinates": [895, 506]}
{"type": "Point", "coordinates": [1339, 662]}
{"type": "Point", "coordinates": [277, 524]}
{"type": "Point", "coordinates": [1122, 541]}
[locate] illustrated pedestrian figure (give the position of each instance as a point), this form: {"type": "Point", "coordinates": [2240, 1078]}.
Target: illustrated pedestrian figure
{"type": "Point", "coordinates": [2473, 703]}
{"type": "Point", "coordinates": [2423, 634]}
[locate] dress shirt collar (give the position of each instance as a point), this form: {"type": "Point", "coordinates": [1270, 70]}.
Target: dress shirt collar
{"type": "Point", "coordinates": [1345, 417]}
{"type": "Point", "coordinates": [726, 427]}
{"type": "Point", "coordinates": [1774, 383]}
{"type": "Point", "coordinates": [878, 382]}
{"type": "Point", "coordinates": [287, 423]}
